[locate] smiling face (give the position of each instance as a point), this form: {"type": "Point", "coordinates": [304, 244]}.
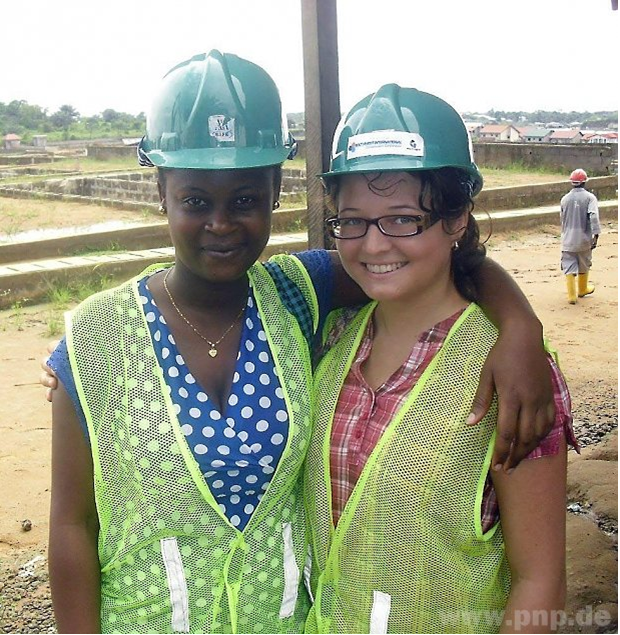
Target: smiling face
{"type": "Point", "coordinates": [219, 220]}
{"type": "Point", "coordinates": [399, 269]}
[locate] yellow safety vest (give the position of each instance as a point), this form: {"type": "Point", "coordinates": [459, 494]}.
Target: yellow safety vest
{"type": "Point", "coordinates": [408, 554]}
{"type": "Point", "coordinates": [170, 559]}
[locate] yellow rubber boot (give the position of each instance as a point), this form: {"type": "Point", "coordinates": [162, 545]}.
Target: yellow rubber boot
{"type": "Point", "coordinates": [571, 288]}
{"type": "Point", "coordinates": [583, 288]}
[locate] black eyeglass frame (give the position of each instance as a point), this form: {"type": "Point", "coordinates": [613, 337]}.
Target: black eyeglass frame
{"type": "Point", "coordinates": [422, 223]}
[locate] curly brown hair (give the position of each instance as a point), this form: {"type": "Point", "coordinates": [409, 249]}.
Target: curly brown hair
{"type": "Point", "coordinates": [445, 194]}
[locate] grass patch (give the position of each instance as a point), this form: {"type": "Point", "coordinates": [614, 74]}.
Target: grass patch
{"type": "Point", "coordinates": [13, 221]}
{"type": "Point", "coordinates": [518, 174]}
{"type": "Point", "coordinates": [17, 318]}
{"type": "Point", "coordinates": [62, 296]}
{"type": "Point", "coordinates": [297, 163]}
{"type": "Point", "coordinates": [91, 251]}
{"type": "Point", "coordinates": [294, 200]}
{"type": "Point", "coordinates": [55, 324]}
{"type": "Point", "coordinates": [297, 224]}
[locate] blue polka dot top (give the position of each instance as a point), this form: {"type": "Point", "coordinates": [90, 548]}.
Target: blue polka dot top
{"type": "Point", "coordinates": [238, 449]}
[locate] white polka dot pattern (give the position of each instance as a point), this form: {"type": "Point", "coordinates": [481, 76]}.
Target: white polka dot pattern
{"type": "Point", "coordinates": [237, 450]}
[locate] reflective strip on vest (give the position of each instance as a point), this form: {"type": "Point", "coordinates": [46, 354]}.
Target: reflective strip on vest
{"type": "Point", "coordinates": [291, 573]}
{"type": "Point", "coordinates": [308, 574]}
{"type": "Point", "coordinates": [177, 584]}
{"type": "Point", "coordinates": [380, 613]}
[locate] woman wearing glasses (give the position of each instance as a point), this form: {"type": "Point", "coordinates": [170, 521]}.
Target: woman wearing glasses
{"type": "Point", "coordinates": [404, 505]}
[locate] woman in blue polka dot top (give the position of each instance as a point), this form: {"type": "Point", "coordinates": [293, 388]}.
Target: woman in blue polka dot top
{"type": "Point", "coordinates": [183, 409]}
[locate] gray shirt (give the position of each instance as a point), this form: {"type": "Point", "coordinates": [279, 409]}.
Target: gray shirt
{"type": "Point", "coordinates": [579, 218]}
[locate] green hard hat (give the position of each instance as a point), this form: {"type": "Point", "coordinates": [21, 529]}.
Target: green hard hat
{"type": "Point", "coordinates": [402, 129]}
{"type": "Point", "coordinates": [216, 111]}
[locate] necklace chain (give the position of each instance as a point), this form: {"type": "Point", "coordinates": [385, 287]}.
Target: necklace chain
{"type": "Point", "coordinates": [213, 345]}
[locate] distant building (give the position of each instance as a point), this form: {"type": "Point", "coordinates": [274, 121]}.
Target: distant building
{"type": "Point", "coordinates": [39, 140]}
{"type": "Point", "coordinates": [535, 135]}
{"type": "Point", "coordinates": [473, 128]}
{"type": "Point", "coordinates": [601, 137]}
{"type": "Point", "coordinates": [11, 141]}
{"type": "Point", "coordinates": [498, 132]}
{"type": "Point", "coordinates": [566, 136]}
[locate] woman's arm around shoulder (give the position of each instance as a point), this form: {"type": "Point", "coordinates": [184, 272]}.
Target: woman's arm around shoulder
{"type": "Point", "coordinates": [516, 368]}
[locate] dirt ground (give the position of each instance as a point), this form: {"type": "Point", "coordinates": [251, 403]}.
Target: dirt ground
{"type": "Point", "coordinates": [585, 335]}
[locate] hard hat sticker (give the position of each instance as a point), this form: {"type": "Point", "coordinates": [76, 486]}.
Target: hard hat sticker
{"type": "Point", "coordinates": [222, 127]}
{"type": "Point", "coordinates": [383, 142]}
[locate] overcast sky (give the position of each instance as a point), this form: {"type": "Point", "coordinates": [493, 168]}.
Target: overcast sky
{"type": "Point", "coordinates": [477, 54]}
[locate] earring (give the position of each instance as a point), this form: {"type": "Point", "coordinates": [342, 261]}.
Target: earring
{"type": "Point", "coordinates": [162, 208]}
{"type": "Point", "coordinates": [276, 205]}
{"type": "Point", "coordinates": [455, 245]}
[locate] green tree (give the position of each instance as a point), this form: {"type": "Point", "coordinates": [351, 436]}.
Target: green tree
{"type": "Point", "coordinates": [92, 124]}
{"type": "Point", "coordinates": [19, 116]}
{"type": "Point", "coordinates": [109, 115]}
{"type": "Point", "coordinates": [64, 117]}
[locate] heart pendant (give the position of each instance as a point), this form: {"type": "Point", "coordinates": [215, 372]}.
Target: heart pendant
{"type": "Point", "coordinates": [213, 352]}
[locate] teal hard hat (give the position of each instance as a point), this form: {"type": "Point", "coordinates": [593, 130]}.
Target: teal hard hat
{"type": "Point", "coordinates": [216, 111]}
{"type": "Point", "coordinates": [402, 129]}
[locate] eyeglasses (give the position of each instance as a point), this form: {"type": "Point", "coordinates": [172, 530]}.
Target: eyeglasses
{"type": "Point", "coordinates": [397, 226]}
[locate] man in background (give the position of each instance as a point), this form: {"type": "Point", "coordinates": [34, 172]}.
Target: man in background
{"type": "Point", "coordinates": [580, 232]}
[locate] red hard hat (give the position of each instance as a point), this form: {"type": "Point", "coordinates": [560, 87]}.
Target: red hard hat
{"type": "Point", "coordinates": [578, 176]}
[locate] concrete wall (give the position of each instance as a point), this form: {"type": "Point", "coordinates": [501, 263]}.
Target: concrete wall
{"type": "Point", "coordinates": [25, 159]}
{"type": "Point", "coordinates": [138, 187]}
{"type": "Point", "coordinates": [524, 196]}
{"type": "Point", "coordinates": [29, 170]}
{"type": "Point", "coordinates": [104, 153]}
{"type": "Point", "coordinates": [597, 160]}
{"type": "Point", "coordinates": [600, 160]}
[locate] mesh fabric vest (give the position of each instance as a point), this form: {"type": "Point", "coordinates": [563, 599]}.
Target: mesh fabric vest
{"type": "Point", "coordinates": [170, 560]}
{"type": "Point", "coordinates": [408, 554]}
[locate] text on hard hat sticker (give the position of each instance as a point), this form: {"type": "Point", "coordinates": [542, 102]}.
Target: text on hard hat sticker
{"type": "Point", "coordinates": [222, 127]}
{"type": "Point", "coordinates": [385, 142]}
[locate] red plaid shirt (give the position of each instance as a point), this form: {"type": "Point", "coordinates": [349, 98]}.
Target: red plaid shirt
{"type": "Point", "coordinates": [362, 415]}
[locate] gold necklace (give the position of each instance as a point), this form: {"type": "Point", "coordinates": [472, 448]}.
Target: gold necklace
{"type": "Point", "coordinates": [213, 345]}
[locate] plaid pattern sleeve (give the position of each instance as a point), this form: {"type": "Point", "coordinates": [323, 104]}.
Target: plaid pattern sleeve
{"type": "Point", "coordinates": [317, 263]}
{"type": "Point", "coordinates": [293, 300]}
